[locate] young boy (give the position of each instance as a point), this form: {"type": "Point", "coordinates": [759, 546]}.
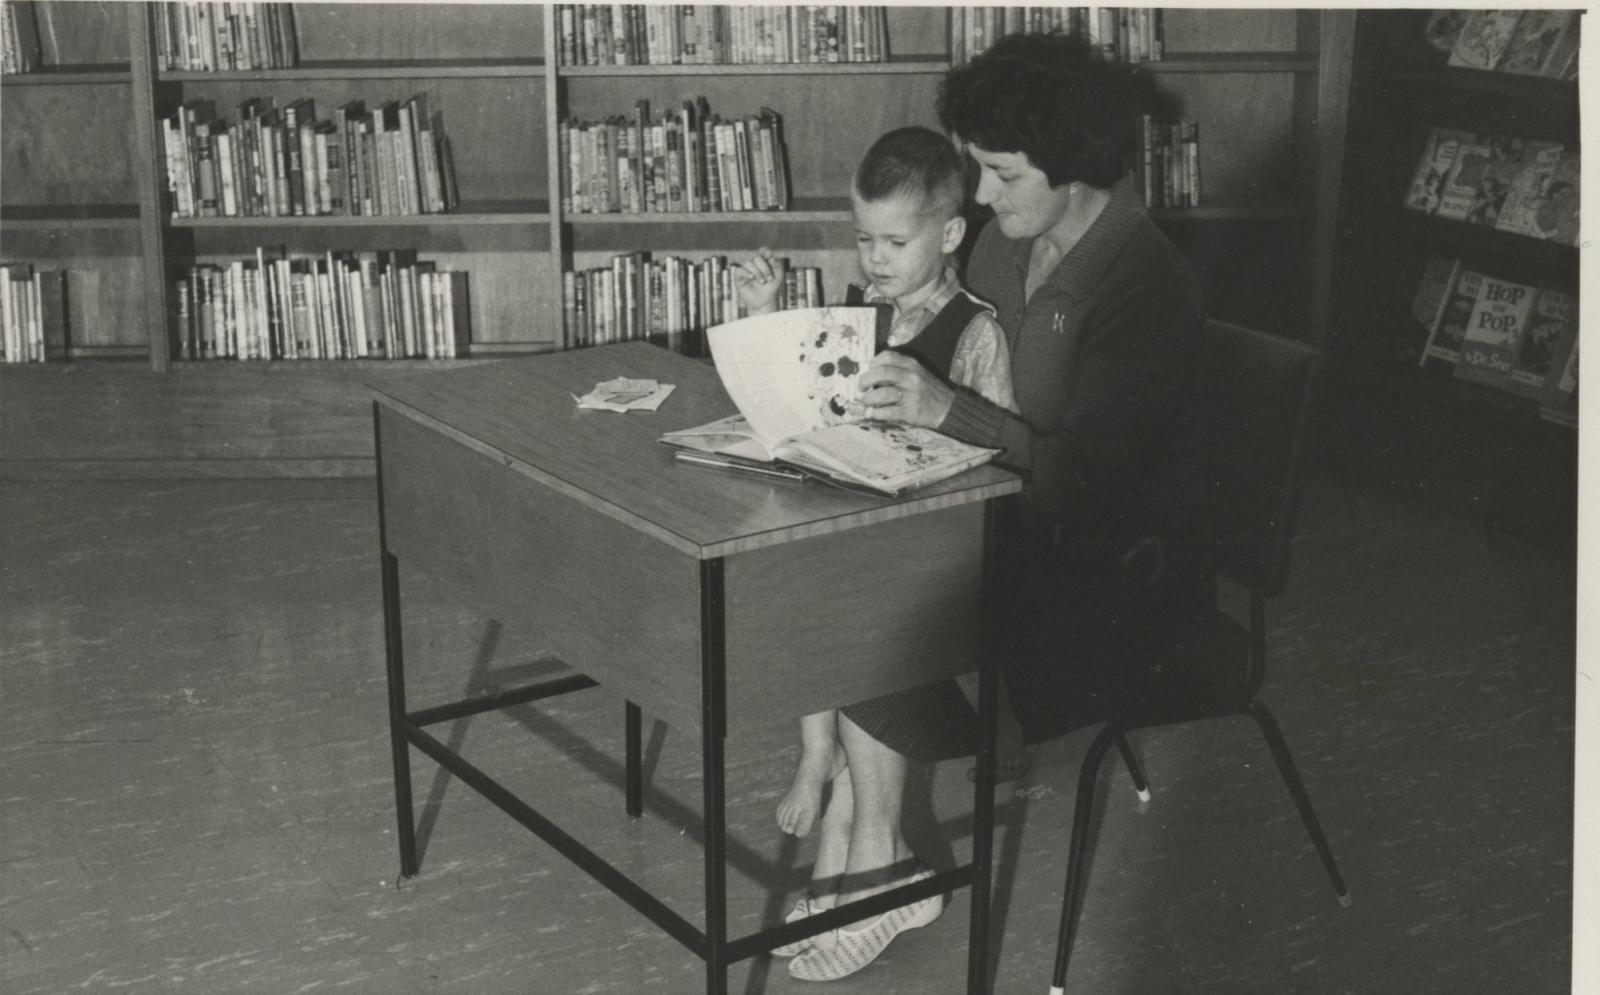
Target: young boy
{"type": "Point", "coordinates": [906, 202]}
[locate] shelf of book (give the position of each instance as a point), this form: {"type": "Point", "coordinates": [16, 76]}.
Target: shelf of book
{"type": "Point", "coordinates": [371, 69]}
{"type": "Point", "coordinates": [897, 66]}
{"type": "Point", "coordinates": [1230, 62]}
{"type": "Point", "coordinates": [822, 210]}
{"type": "Point", "coordinates": [472, 213]}
{"type": "Point", "coordinates": [98, 73]}
{"type": "Point", "coordinates": [53, 217]}
{"type": "Point", "coordinates": [1282, 210]}
{"type": "Point", "coordinates": [1178, 64]}
{"type": "Point", "coordinates": [803, 210]}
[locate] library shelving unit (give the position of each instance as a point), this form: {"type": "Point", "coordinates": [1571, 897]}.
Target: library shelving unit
{"type": "Point", "coordinates": [1468, 446]}
{"type": "Point", "coordinates": [69, 185]}
{"type": "Point", "coordinates": [1268, 88]}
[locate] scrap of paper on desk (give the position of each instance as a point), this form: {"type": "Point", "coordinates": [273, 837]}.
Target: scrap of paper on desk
{"type": "Point", "coordinates": [625, 394]}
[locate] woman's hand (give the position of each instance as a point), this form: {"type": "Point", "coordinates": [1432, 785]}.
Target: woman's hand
{"type": "Point", "coordinates": [898, 388]}
{"type": "Point", "coordinates": [758, 281]}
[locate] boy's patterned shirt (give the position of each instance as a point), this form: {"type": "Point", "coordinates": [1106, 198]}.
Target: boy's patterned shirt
{"type": "Point", "coordinates": [982, 361]}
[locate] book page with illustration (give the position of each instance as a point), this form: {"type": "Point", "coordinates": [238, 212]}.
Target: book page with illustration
{"type": "Point", "coordinates": [795, 377]}
{"type": "Point", "coordinates": [791, 372]}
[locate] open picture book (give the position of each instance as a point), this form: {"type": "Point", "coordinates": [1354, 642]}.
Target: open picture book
{"type": "Point", "coordinates": [795, 377]}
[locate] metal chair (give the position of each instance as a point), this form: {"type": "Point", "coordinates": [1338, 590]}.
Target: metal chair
{"type": "Point", "coordinates": [1256, 403]}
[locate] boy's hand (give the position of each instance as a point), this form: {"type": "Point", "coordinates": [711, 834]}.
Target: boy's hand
{"type": "Point", "coordinates": [758, 281]}
{"type": "Point", "coordinates": [896, 387]}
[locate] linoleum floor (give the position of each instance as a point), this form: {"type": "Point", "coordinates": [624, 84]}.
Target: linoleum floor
{"type": "Point", "coordinates": [195, 787]}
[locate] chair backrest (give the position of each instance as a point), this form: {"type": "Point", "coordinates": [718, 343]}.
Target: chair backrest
{"type": "Point", "coordinates": [1256, 404]}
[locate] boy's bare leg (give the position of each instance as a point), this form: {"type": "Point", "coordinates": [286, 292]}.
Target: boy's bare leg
{"type": "Point", "coordinates": [800, 807]}
{"type": "Point", "coordinates": [833, 839]}
{"type": "Point", "coordinates": [878, 853]}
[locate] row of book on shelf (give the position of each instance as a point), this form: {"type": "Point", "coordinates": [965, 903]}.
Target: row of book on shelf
{"type": "Point", "coordinates": [341, 305]}
{"type": "Point", "coordinates": [1126, 34]}
{"type": "Point", "coordinates": [670, 300]}
{"type": "Point", "coordinates": [1525, 187]}
{"type": "Point", "coordinates": [1168, 170]}
{"type": "Point", "coordinates": [680, 159]}
{"type": "Point", "coordinates": [1526, 42]}
{"type": "Point", "coordinates": [1519, 337]}
{"type": "Point", "coordinates": [687, 34]}
{"type": "Point", "coordinates": [33, 314]}
{"type": "Point", "coordinates": [393, 159]}
{"type": "Point", "coordinates": [211, 37]}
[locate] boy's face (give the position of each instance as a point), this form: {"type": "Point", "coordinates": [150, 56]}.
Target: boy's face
{"type": "Point", "coordinates": [902, 247]}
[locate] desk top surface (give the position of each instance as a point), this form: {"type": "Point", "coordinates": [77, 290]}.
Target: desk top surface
{"type": "Point", "coordinates": [521, 412]}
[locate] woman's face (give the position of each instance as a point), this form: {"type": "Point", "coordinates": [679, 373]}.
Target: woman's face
{"type": "Point", "coordinates": [1024, 202]}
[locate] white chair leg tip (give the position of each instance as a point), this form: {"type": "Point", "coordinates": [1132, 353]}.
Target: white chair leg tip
{"type": "Point", "coordinates": [1345, 900]}
{"type": "Point", "coordinates": [1057, 990]}
{"type": "Point", "coordinates": [1144, 796]}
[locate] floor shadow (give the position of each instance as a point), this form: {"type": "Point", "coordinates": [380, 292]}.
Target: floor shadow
{"type": "Point", "coordinates": [932, 839]}
{"type": "Point", "coordinates": [477, 680]}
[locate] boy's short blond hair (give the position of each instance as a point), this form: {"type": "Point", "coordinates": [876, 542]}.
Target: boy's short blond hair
{"type": "Point", "coordinates": [918, 162]}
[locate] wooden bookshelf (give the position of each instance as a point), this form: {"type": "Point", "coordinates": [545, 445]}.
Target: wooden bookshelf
{"type": "Point", "coordinates": [1269, 88]}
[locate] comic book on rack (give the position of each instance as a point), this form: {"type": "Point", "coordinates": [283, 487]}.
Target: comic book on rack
{"type": "Point", "coordinates": [1493, 336]}
{"type": "Point", "coordinates": [795, 377]}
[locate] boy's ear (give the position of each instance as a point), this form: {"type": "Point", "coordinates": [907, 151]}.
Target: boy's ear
{"type": "Point", "coordinates": [954, 231]}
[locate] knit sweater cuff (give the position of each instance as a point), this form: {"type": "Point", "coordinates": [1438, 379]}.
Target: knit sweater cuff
{"type": "Point", "coordinates": [973, 419]}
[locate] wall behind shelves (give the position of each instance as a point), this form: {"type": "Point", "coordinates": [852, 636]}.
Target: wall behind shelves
{"type": "Point", "coordinates": [72, 32]}
{"type": "Point", "coordinates": [373, 31]}
{"type": "Point", "coordinates": [93, 137]}
{"type": "Point", "coordinates": [1188, 29]}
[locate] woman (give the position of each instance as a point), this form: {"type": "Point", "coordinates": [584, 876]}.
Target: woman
{"type": "Point", "coordinates": [1103, 558]}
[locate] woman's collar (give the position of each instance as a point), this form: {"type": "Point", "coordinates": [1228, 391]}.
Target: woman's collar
{"type": "Point", "coordinates": [1079, 272]}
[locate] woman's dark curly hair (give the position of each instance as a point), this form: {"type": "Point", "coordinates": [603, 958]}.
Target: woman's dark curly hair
{"type": "Point", "coordinates": [1050, 97]}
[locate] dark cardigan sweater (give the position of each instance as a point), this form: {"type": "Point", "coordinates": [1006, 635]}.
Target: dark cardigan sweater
{"type": "Point", "coordinates": [1105, 363]}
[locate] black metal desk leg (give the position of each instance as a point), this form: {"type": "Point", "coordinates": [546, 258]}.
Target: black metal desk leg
{"type": "Point", "coordinates": [713, 729]}
{"type": "Point", "coordinates": [983, 793]}
{"type": "Point", "coordinates": [399, 748]}
{"type": "Point", "coordinates": [394, 662]}
{"type": "Point", "coordinates": [635, 765]}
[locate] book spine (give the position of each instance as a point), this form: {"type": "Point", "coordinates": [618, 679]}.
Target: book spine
{"type": "Point", "coordinates": [183, 294]}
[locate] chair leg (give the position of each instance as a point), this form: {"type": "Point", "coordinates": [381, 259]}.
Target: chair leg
{"type": "Point", "coordinates": [1134, 770]}
{"type": "Point", "coordinates": [1078, 851]}
{"type": "Point", "coordinates": [1297, 790]}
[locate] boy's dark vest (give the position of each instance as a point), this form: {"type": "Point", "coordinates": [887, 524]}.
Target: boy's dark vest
{"type": "Point", "coordinates": [935, 346]}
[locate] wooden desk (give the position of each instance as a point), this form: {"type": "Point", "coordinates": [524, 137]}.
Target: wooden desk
{"type": "Point", "coordinates": [716, 601]}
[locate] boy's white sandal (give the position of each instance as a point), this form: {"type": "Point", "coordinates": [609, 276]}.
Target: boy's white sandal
{"type": "Point", "coordinates": [847, 951]}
